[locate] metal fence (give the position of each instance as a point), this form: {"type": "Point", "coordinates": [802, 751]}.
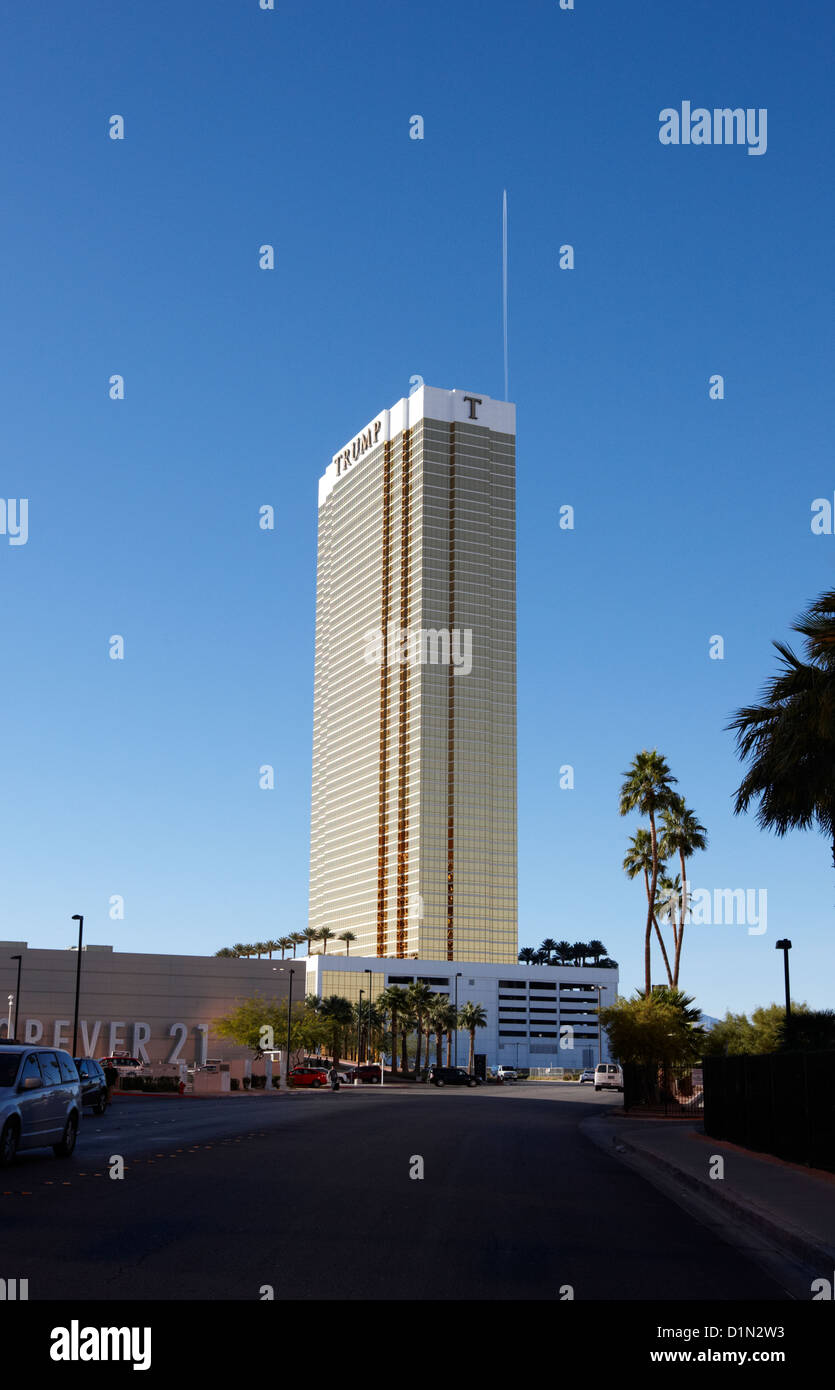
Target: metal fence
{"type": "Point", "coordinates": [659, 1088]}
{"type": "Point", "coordinates": [782, 1103]}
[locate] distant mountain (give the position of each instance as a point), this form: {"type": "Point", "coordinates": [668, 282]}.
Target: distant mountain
{"type": "Point", "coordinates": [705, 1021]}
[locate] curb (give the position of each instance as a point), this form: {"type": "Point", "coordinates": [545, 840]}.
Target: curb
{"type": "Point", "coordinates": [786, 1238]}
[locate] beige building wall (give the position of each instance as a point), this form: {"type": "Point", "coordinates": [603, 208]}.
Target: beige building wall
{"type": "Point", "coordinates": [164, 1004]}
{"type": "Point", "coordinates": [413, 834]}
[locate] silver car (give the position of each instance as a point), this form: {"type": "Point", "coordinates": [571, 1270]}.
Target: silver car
{"type": "Point", "coordinates": [40, 1100]}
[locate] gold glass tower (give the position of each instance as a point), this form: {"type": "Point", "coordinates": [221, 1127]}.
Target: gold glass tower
{"type": "Point", "coordinates": [413, 835]}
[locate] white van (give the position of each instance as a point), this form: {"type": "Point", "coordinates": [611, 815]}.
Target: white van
{"type": "Point", "coordinates": [608, 1077]}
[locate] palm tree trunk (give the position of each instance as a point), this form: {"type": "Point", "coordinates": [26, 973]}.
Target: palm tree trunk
{"type": "Point", "coordinates": [419, 1046]}
{"type": "Point", "coordinates": [681, 920]}
{"type": "Point", "coordinates": [404, 1051]}
{"type": "Point", "coordinates": [651, 909]}
{"type": "Point", "coordinates": [394, 1042]}
{"type": "Point", "coordinates": [448, 1047]}
{"type": "Point", "coordinates": [472, 1051]}
{"type": "Point", "coordinates": [658, 934]}
{"type": "Point", "coordinates": [439, 1040]}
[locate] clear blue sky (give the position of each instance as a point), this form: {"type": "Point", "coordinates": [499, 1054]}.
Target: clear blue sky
{"type": "Point", "coordinates": [139, 257]}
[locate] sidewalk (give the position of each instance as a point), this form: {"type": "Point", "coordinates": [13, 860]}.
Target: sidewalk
{"type": "Point", "coordinates": [793, 1206]}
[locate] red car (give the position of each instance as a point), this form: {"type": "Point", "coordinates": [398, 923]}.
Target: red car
{"type": "Point", "coordinates": [308, 1076]}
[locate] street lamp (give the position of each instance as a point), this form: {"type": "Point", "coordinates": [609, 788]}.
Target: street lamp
{"type": "Point", "coordinates": [359, 1027]}
{"type": "Point", "coordinates": [370, 975]}
{"type": "Point", "coordinates": [9, 1021]}
{"type": "Point", "coordinates": [19, 960]}
{"type": "Point", "coordinates": [785, 946]}
{"type": "Point", "coordinates": [599, 1034]}
{"type": "Point", "coordinates": [291, 972]}
{"type": "Point", "coordinates": [80, 920]}
{"type": "Point", "coordinates": [457, 978]}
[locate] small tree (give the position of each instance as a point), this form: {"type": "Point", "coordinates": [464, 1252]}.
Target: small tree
{"type": "Point", "coordinates": [470, 1017]}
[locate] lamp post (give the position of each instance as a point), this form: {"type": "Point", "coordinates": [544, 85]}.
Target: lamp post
{"type": "Point", "coordinates": [599, 1033]}
{"type": "Point", "coordinates": [19, 960]}
{"type": "Point", "coordinates": [80, 920]}
{"type": "Point", "coordinates": [359, 1033]}
{"type": "Point", "coordinates": [785, 946]}
{"type": "Point", "coordinates": [370, 975]}
{"type": "Point", "coordinates": [9, 1020]}
{"type": "Point", "coordinates": [283, 970]}
{"type": "Point", "coordinates": [457, 978]}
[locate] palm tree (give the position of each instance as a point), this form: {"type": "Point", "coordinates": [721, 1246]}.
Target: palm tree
{"type": "Point", "coordinates": [682, 834]}
{"type": "Point", "coordinates": [310, 935]}
{"type": "Point", "coordinates": [324, 935]}
{"type": "Point", "coordinates": [579, 951]}
{"type": "Point", "coordinates": [283, 945]}
{"type": "Point", "coordinates": [548, 948]}
{"type": "Point", "coordinates": [638, 860]}
{"type": "Point", "coordinates": [248, 951]}
{"type": "Point", "coordinates": [789, 739]}
{"type": "Point", "coordinates": [296, 938]}
{"type": "Point", "coordinates": [596, 950]}
{"type": "Point", "coordinates": [446, 1017]}
{"type": "Point", "coordinates": [470, 1017]}
{"type": "Point", "coordinates": [338, 1015]}
{"type": "Point", "coordinates": [420, 1001]}
{"type": "Point", "coordinates": [562, 951]}
{"type": "Point", "coordinates": [442, 1017]}
{"type": "Point", "coordinates": [527, 955]}
{"type": "Point", "coordinates": [240, 949]}
{"type": "Point", "coordinates": [647, 788]}
{"type": "Point", "coordinates": [347, 937]}
{"type": "Point", "coordinates": [225, 951]}
{"type": "Point", "coordinates": [394, 1001]}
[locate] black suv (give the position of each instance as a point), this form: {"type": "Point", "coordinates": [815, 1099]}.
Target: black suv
{"type": "Point", "coordinates": [93, 1084]}
{"type": "Point", "coordinates": [451, 1076]}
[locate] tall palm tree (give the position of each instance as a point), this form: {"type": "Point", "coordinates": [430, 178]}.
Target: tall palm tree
{"type": "Point", "coordinates": [470, 1017]}
{"type": "Point", "coordinates": [789, 739]}
{"type": "Point", "coordinates": [682, 834]}
{"type": "Point", "coordinates": [324, 935]}
{"type": "Point", "coordinates": [648, 789]}
{"type": "Point", "coordinates": [439, 1021]}
{"type": "Point", "coordinates": [638, 860]}
{"type": "Point", "coordinates": [283, 945]}
{"type": "Point", "coordinates": [562, 951]}
{"type": "Point", "coordinates": [310, 935]}
{"type": "Point", "coordinates": [446, 1017]}
{"type": "Point", "coordinates": [347, 937]}
{"type": "Point", "coordinates": [394, 1002]}
{"type": "Point", "coordinates": [297, 938]}
{"type": "Point", "coordinates": [420, 1001]}
{"type": "Point", "coordinates": [338, 1015]}
{"type": "Point", "coordinates": [527, 955]}
{"type": "Point", "coordinates": [548, 948]}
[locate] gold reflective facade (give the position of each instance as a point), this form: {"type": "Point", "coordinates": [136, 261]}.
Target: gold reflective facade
{"type": "Point", "coordinates": [413, 835]}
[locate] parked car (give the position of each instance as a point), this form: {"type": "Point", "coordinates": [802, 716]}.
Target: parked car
{"type": "Point", "coordinates": [119, 1060]}
{"type": "Point", "coordinates": [608, 1077]}
{"type": "Point", "coordinates": [93, 1083]}
{"type": "Point", "coordinates": [40, 1101]}
{"type": "Point", "coordinates": [507, 1074]}
{"type": "Point", "coordinates": [451, 1076]}
{"type": "Point", "coordinates": [309, 1076]}
{"type": "Point", "coordinates": [369, 1071]}
{"type": "Point", "coordinates": [587, 1074]}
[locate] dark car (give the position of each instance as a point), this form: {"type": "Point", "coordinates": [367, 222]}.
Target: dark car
{"type": "Point", "coordinates": [93, 1084]}
{"type": "Point", "coordinates": [367, 1072]}
{"type": "Point", "coordinates": [451, 1076]}
{"type": "Point", "coordinates": [309, 1076]}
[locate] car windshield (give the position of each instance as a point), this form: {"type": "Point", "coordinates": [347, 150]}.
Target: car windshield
{"type": "Point", "coordinates": [9, 1063]}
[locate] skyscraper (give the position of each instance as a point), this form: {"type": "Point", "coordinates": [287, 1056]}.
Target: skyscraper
{"type": "Point", "coordinates": [413, 834]}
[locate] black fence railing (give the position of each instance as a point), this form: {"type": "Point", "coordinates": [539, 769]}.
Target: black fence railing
{"type": "Point", "coordinates": [659, 1088]}
{"type": "Point", "coordinates": [782, 1103]}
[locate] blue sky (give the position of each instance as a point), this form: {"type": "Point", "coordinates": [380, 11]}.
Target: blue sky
{"type": "Point", "coordinates": [140, 257]}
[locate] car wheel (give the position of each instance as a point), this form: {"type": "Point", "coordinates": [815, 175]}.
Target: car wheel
{"type": "Point", "coordinates": [100, 1107]}
{"type": "Point", "coordinates": [9, 1140]}
{"type": "Point", "coordinates": [597, 1088]}
{"type": "Point", "coordinates": [67, 1144]}
{"type": "Point", "coordinates": [316, 1085]}
{"type": "Point", "coordinates": [472, 1083]}
{"type": "Point", "coordinates": [440, 1082]}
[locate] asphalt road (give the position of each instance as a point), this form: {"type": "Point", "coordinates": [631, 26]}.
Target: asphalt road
{"type": "Point", "coordinates": [311, 1193]}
